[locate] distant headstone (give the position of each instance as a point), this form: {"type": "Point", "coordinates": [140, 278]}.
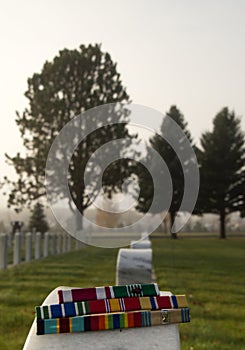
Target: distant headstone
{"type": "Point", "coordinates": [59, 243]}
{"type": "Point", "coordinates": [17, 248]}
{"type": "Point", "coordinates": [46, 245]}
{"type": "Point", "coordinates": [145, 244]}
{"type": "Point", "coordinates": [69, 243]}
{"type": "Point", "coordinates": [79, 244]}
{"type": "Point", "coordinates": [28, 254]}
{"type": "Point", "coordinates": [64, 241]}
{"type": "Point", "coordinates": [134, 266]}
{"type": "Point", "coordinates": [3, 251]}
{"type": "Point", "coordinates": [157, 338]}
{"type": "Point", "coordinates": [53, 245]}
{"type": "Point", "coordinates": [38, 246]}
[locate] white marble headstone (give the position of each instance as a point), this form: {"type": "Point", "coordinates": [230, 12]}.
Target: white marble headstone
{"type": "Point", "coordinates": [134, 266]}
{"type": "Point", "coordinates": [157, 338]}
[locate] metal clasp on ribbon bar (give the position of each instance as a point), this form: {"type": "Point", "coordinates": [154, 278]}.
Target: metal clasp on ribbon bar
{"type": "Point", "coordinates": [165, 318]}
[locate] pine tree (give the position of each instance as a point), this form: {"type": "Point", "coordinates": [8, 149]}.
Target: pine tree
{"type": "Point", "coordinates": [38, 220]}
{"type": "Point", "coordinates": [172, 161]}
{"type": "Point", "coordinates": [222, 161]}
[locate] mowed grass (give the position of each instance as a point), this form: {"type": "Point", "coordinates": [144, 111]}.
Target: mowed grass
{"type": "Point", "coordinates": [210, 271]}
{"type": "Point", "coordinates": [25, 286]}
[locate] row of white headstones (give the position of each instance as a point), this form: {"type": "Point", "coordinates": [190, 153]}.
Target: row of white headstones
{"type": "Point", "coordinates": [34, 247]}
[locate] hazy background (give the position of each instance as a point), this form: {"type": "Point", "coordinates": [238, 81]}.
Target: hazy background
{"type": "Point", "coordinates": [189, 53]}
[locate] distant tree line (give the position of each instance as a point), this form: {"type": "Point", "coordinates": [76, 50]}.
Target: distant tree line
{"type": "Point", "coordinates": [77, 80]}
{"type": "Point", "coordinates": [221, 158]}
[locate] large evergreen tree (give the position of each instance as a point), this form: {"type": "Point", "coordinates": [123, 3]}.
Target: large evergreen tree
{"type": "Point", "coordinates": [75, 81]}
{"type": "Point", "coordinates": [38, 220]}
{"type": "Point", "coordinates": [159, 143]}
{"type": "Point", "coordinates": [222, 162]}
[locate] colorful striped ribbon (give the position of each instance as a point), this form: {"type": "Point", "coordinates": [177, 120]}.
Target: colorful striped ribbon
{"type": "Point", "coordinates": [112, 321]}
{"type": "Point", "coordinates": [110, 305]}
{"type": "Point", "coordinates": [109, 292]}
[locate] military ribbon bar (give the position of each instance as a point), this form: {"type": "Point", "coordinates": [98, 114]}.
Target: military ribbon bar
{"type": "Point", "coordinates": [112, 321]}
{"type": "Point", "coordinates": [109, 292]}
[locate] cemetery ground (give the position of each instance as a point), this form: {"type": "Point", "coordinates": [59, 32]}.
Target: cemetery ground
{"type": "Point", "coordinates": [208, 270]}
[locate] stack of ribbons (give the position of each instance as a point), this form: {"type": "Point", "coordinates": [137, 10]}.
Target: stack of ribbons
{"type": "Point", "coordinates": [117, 307]}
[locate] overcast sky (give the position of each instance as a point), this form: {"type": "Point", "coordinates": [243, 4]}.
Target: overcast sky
{"type": "Point", "coordinates": [190, 53]}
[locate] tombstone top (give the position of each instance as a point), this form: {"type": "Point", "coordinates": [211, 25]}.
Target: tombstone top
{"type": "Point", "coordinates": [133, 338]}
{"type": "Point", "coordinates": [143, 244]}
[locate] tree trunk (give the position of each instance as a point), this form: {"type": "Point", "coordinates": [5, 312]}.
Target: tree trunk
{"type": "Point", "coordinates": [79, 222]}
{"type": "Point", "coordinates": [222, 224]}
{"type": "Point", "coordinates": [172, 218]}
{"type": "Point", "coordinates": [79, 190]}
{"type": "Point", "coordinates": [165, 223]}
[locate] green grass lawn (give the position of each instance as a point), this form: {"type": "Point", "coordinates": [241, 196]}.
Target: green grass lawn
{"type": "Point", "coordinates": [25, 286]}
{"type": "Point", "coordinates": [210, 271]}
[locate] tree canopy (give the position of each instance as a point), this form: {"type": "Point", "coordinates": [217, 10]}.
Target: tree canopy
{"type": "Point", "coordinates": [73, 82]}
{"type": "Point", "coordinates": [160, 144]}
{"type": "Point", "coordinates": [222, 161]}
